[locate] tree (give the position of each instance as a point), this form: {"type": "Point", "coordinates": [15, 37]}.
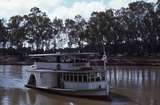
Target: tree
{"type": "Point", "coordinates": [69, 30]}
{"type": "Point", "coordinates": [100, 26]}
{"type": "Point", "coordinates": [16, 30]}
{"type": "Point", "coordinates": [76, 31]}
{"type": "Point", "coordinates": [3, 33]}
{"type": "Point", "coordinates": [39, 28]}
{"type": "Point", "coordinates": [58, 35]}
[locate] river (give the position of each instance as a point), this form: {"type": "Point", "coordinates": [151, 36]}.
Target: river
{"type": "Point", "coordinates": [136, 86]}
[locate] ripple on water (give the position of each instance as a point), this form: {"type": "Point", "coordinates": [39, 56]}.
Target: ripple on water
{"type": "Point", "coordinates": [136, 85]}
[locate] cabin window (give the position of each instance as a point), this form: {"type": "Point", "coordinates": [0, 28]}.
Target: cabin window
{"type": "Point", "coordinates": [92, 77]}
{"type": "Point", "coordinates": [62, 76]}
{"type": "Point", "coordinates": [98, 77]}
{"type": "Point", "coordinates": [103, 76]}
{"type": "Point", "coordinates": [88, 77]}
{"type": "Point", "coordinates": [66, 77]}
{"type": "Point", "coordinates": [58, 59]}
{"type": "Point", "coordinates": [44, 59]}
{"type": "Point", "coordinates": [75, 77]}
{"type": "Point", "coordinates": [71, 76]}
{"type": "Point", "coordinates": [80, 77]}
{"type": "Point", "coordinates": [84, 77]}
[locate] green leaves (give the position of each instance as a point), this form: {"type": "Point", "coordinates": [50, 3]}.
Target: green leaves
{"type": "Point", "coordinates": [131, 31]}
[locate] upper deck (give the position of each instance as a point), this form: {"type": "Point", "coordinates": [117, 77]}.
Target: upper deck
{"type": "Point", "coordinates": [66, 61]}
{"type": "Point", "coordinates": [63, 54]}
{"type": "Point", "coordinates": [64, 57]}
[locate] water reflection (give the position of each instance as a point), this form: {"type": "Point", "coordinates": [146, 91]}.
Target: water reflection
{"type": "Point", "coordinates": [134, 77]}
{"type": "Point", "coordinates": [139, 84]}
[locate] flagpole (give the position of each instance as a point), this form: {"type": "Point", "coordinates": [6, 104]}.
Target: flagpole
{"type": "Point", "coordinates": [105, 68]}
{"type": "Point", "coordinates": [104, 54]}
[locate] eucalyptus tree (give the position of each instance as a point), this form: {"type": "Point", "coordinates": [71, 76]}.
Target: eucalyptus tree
{"type": "Point", "coordinates": [80, 27]}
{"type": "Point", "coordinates": [109, 29]}
{"type": "Point", "coordinates": [16, 31]}
{"type": "Point", "coordinates": [100, 27]}
{"type": "Point", "coordinates": [3, 33]}
{"type": "Point", "coordinates": [39, 28]}
{"type": "Point", "coordinates": [154, 20]}
{"type": "Point", "coordinates": [75, 28]}
{"type": "Point", "coordinates": [70, 31]}
{"type": "Point", "coordinates": [58, 33]}
{"type": "Point", "coordinates": [131, 30]}
{"type": "Point", "coordinates": [94, 27]}
{"type": "Point", "coordinates": [141, 13]}
{"type": "Point", "coordinates": [126, 30]}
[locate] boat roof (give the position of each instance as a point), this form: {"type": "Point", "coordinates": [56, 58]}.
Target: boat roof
{"type": "Point", "coordinates": [62, 54]}
{"type": "Point", "coordinates": [64, 71]}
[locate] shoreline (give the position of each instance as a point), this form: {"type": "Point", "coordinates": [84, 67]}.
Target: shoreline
{"type": "Point", "coordinates": [15, 63]}
{"type": "Point", "coordinates": [14, 60]}
{"type": "Point", "coordinates": [112, 61]}
{"type": "Point", "coordinates": [107, 64]}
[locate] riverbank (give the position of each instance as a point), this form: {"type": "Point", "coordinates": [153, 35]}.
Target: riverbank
{"type": "Point", "coordinates": [117, 61]}
{"type": "Point", "coordinates": [134, 61]}
{"type": "Point", "coordinates": [13, 60]}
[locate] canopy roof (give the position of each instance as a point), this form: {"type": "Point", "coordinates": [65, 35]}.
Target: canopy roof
{"type": "Point", "coordinates": [64, 54]}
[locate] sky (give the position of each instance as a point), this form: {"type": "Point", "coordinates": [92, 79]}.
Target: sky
{"type": "Point", "coordinates": [60, 8]}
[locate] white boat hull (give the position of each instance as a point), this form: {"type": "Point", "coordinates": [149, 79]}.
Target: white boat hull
{"type": "Point", "coordinates": [94, 93]}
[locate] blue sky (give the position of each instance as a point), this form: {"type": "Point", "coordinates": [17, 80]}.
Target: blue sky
{"type": "Point", "coordinates": [60, 8]}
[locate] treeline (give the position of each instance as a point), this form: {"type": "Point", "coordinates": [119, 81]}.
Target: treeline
{"type": "Point", "coordinates": [132, 31]}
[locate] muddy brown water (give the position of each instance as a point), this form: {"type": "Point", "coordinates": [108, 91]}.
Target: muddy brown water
{"type": "Point", "coordinates": [135, 86]}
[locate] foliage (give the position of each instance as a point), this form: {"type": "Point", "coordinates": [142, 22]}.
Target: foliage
{"type": "Point", "coordinates": [127, 31]}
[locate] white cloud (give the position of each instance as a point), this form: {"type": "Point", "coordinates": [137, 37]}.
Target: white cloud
{"type": "Point", "coordinates": [152, 1]}
{"type": "Point", "coordinates": [79, 8]}
{"type": "Point", "coordinates": [13, 7]}
{"type": "Point", "coordinates": [57, 8]}
{"type": "Point", "coordinates": [117, 4]}
{"type": "Point", "coordinates": [52, 7]}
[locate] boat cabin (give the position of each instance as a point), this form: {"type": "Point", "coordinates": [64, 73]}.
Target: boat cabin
{"type": "Point", "coordinates": [66, 61]}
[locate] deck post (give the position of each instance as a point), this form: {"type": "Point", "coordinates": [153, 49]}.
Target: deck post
{"type": "Point", "coordinates": [62, 76]}
{"type": "Point", "coordinates": [89, 77]}
{"type": "Point", "coordinates": [95, 74]}
{"type": "Point", "coordinates": [73, 77]}
{"type": "Point", "coordinates": [77, 75]}
{"type": "Point", "coordinates": [82, 78]}
{"type": "Point", "coordinates": [65, 76]}
{"type": "Point", "coordinates": [69, 77]}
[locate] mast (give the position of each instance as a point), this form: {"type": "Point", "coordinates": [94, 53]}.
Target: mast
{"type": "Point", "coordinates": [104, 54]}
{"type": "Point", "coordinates": [104, 62]}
